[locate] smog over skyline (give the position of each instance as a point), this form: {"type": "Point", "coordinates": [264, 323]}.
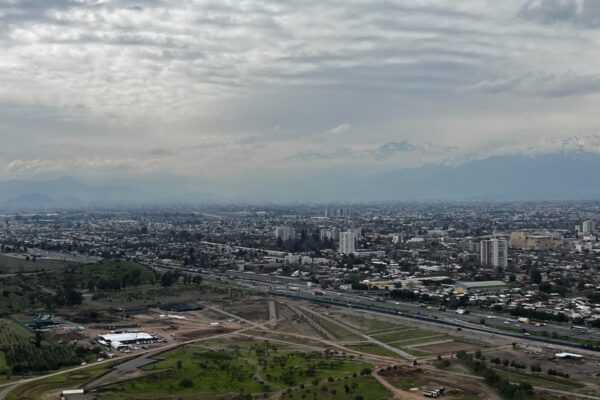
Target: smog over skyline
{"type": "Point", "coordinates": [232, 94]}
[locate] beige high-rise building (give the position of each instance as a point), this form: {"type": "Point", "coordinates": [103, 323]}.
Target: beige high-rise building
{"type": "Point", "coordinates": [525, 240]}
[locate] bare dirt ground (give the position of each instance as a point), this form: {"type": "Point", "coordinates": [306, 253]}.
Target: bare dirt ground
{"type": "Point", "coordinates": [427, 379]}
{"type": "Point", "coordinates": [449, 347]}
{"type": "Point", "coordinates": [252, 311]}
{"type": "Point", "coordinates": [585, 370]}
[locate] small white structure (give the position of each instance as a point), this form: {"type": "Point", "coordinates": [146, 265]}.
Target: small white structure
{"type": "Point", "coordinates": [568, 355]}
{"type": "Point", "coordinates": [70, 392]}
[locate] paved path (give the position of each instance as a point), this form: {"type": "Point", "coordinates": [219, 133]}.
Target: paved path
{"type": "Point", "coordinates": [397, 393]}
{"type": "Point", "coordinates": [272, 313]}
{"type": "Point", "coordinates": [393, 349]}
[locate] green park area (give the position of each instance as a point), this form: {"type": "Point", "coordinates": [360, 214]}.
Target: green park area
{"type": "Point", "coordinates": [350, 388]}
{"type": "Point", "coordinates": [23, 354]}
{"type": "Point", "coordinates": [106, 284]}
{"type": "Point", "coordinates": [251, 367]}
{"type": "Point", "coordinates": [25, 264]}
{"type": "Point", "coordinates": [39, 388]}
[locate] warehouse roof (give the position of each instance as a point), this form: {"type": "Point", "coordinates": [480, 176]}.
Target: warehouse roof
{"type": "Point", "coordinates": [480, 284]}
{"type": "Point", "coordinates": [126, 336]}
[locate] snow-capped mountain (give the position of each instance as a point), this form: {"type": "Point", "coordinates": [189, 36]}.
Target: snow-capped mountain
{"type": "Point", "coordinates": [385, 151]}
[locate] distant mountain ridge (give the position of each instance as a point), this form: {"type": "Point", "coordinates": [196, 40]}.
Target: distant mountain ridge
{"type": "Point", "coordinates": [562, 175]}
{"type": "Point", "coordinates": [67, 192]}
{"type": "Point", "coordinates": [516, 177]}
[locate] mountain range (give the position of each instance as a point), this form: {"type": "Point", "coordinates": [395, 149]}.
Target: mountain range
{"type": "Point", "coordinates": [67, 192]}
{"type": "Point", "coordinates": [567, 172]}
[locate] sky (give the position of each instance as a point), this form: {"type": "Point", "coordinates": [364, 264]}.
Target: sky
{"type": "Point", "coordinates": [259, 90]}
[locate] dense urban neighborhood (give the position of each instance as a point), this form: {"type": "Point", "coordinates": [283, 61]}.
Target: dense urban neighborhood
{"type": "Point", "coordinates": [371, 301]}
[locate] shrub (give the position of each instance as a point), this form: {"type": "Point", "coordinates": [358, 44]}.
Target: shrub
{"type": "Point", "coordinates": [186, 383]}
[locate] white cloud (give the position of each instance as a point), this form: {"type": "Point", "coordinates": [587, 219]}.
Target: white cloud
{"type": "Point", "coordinates": [543, 84]}
{"type": "Point", "coordinates": [194, 87]}
{"type": "Point", "coordinates": [338, 129]}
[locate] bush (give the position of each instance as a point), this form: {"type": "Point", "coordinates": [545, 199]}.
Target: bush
{"type": "Point", "coordinates": [186, 383]}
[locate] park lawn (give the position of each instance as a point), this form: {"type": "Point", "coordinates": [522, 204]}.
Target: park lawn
{"type": "Point", "coordinates": [3, 364]}
{"type": "Point", "coordinates": [112, 270]}
{"type": "Point", "coordinates": [291, 339]}
{"type": "Point", "coordinates": [249, 367]}
{"type": "Point", "coordinates": [336, 330]}
{"type": "Point", "coordinates": [372, 349]}
{"type": "Point", "coordinates": [292, 368]}
{"type": "Point", "coordinates": [405, 384]}
{"type": "Point", "coordinates": [405, 334]}
{"type": "Point", "coordinates": [458, 395]}
{"type": "Point", "coordinates": [69, 380]}
{"type": "Point", "coordinates": [9, 264]}
{"type": "Point", "coordinates": [365, 386]}
{"type": "Point", "coordinates": [205, 371]}
{"type": "Point", "coordinates": [421, 340]}
{"type": "Point", "coordinates": [414, 352]}
{"type": "Point", "coordinates": [539, 380]}
{"type": "Point", "coordinates": [369, 324]}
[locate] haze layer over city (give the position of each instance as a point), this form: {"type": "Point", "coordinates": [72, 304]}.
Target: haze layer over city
{"type": "Point", "coordinates": [292, 200]}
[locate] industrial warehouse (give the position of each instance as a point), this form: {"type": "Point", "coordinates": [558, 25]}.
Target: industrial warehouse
{"type": "Point", "coordinates": [123, 341]}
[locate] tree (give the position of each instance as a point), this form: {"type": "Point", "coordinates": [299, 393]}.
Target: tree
{"type": "Point", "coordinates": [536, 277]}
{"type": "Point", "coordinates": [186, 383]}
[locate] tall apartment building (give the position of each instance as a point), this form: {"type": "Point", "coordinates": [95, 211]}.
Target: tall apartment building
{"type": "Point", "coordinates": [494, 252]}
{"type": "Point", "coordinates": [329, 233]}
{"type": "Point", "coordinates": [347, 243]}
{"type": "Point", "coordinates": [588, 227]}
{"type": "Point", "coordinates": [285, 233]}
{"type": "Point", "coordinates": [337, 212]}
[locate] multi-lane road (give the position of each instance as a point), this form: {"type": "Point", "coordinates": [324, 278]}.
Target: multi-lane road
{"type": "Point", "coordinates": [500, 324]}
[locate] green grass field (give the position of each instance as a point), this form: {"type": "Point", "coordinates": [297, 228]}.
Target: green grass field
{"type": "Point", "coordinates": [112, 270]}
{"type": "Point", "coordinates": [68, 380]}
{"type": "Point", "coordinates": [405, 383]}
{"type": "Point", "coordinates": [372, 349]}
{"type": "Point", "coordinates": [403, 334]}
{"type": "Point", "coordinates": [248, 367]}
{"type": "Point", "coordinates": [368, 324]}
{"type": "Point", "coordinates": [539, 380]}
{"type": "Point", "coordinates": [336, 330]}
{"type": "Point", "coordinates": [9, 264]}
{"type": "Point", "coordinates": [364, 386]}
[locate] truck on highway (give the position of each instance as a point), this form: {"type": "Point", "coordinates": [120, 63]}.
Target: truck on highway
{"type": "Point", "coordinates": [523, 320]}
{"type": "Point", "coordinates": [579, 328]}
{"type": "Point", "coordinates": [434, 393]}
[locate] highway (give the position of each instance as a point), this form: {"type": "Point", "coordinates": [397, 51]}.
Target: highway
{"type": "Point", "coordinates": [499, 324]}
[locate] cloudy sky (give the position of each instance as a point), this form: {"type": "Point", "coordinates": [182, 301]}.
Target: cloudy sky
{"type": "Point", "coordinates": [254, 89]}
